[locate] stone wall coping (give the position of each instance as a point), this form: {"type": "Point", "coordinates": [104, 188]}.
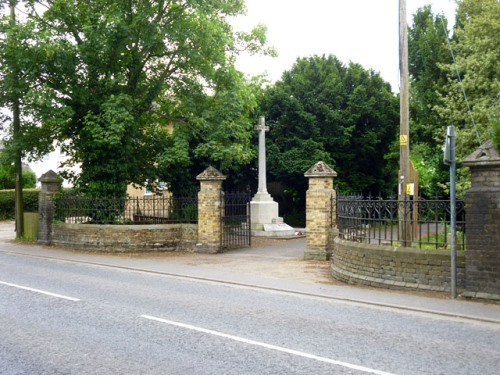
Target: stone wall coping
{"type": "Point", "coordinates": [121, 227]}
{"type": "Point", "coordinates": [210, 174]}
{"type": "Point", "coordinates": [49, 177]}
{"type": "Point", "coordinates": [485, 155]}
{"type": "Point", "coordinates": [320, 169]}
{"type": "Point", "coordinates": [396, 250]}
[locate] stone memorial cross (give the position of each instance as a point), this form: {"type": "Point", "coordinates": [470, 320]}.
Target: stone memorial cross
{"type": "Point", "coordinates": [262, 128]}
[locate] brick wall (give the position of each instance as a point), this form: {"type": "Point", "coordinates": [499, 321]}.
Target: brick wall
{"type": "Point", "coordinates": [125, 238]}
{"type": "Point", "coordinates": [394, 267]}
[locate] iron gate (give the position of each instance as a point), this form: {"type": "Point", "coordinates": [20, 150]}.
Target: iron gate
{"type": "Point", "coordinates": [235, 220]}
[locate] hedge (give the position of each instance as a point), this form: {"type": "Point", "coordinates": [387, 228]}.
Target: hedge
{"type": "Point", "coordinates": [8, 202]}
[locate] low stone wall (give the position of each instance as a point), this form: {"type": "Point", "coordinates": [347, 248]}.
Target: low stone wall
{"type": "Point", "coordinates": [125, 238]}
{"type": "Point", "coordinates": [395, 267]}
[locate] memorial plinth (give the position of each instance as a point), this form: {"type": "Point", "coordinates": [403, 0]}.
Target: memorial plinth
{"type": "Point", "coordinates": [264, 217]}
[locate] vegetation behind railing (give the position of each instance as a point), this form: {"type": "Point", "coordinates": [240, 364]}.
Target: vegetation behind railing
{"type": "Point", "coordinates": [8, 202]}
{"type": "Point", "coordinates": [389, 221]}
{"type": "Point", "coordinates": [153, 209]}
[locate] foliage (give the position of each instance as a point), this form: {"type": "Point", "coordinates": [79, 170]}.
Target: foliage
{"type": "Point", "coordinates": [427, 49]}
{"type": "Point", "coordinates": [7, 202]}
{"type": "Point", "coordinates": [496, 134]}
{"type": "Point", "coordinates": [19, 72]}
{"type": "Point", "coordinates": [7, 178]}
{"type": "Point", "coordinates": [8, 173]}
{"type": "Point", "coordinates": [477, 50]}
{"type": "Point", "coordinates": [427, 52]}
{"type": "Point", "coordinates": [108, 70]}
{"type": "Point", "coordinates": [213, 129]}
{"type": "Point", "coordinates": [324, 110]}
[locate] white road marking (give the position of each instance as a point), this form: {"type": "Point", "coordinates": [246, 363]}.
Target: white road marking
{"type": "Point", "coordinates": [40, 291]}
{"type": "Point", "coordinates": [268, 346]}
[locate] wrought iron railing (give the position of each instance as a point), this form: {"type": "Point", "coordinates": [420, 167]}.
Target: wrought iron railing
{"type": "Point", "coordinates": [235, 219]}
{"type": "Point", "coordinates": [413, 223]}
{"type": "Point", "coordinates": [151, 209]}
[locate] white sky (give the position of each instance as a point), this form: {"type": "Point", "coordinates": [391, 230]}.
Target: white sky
{"type": "Point", "coordinates": [361, 31]}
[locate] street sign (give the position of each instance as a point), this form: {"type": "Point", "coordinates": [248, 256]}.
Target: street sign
{"type": "Point", "coordinates": [403, 140]}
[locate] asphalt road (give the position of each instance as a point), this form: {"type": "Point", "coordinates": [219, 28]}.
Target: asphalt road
{"type": "Point", "coordinates": [60, 317]}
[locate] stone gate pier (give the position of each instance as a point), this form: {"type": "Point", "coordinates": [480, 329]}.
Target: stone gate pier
{"type": "Point", "coordinates": [482, 267]}
{"type": "Point", "coordinates": [320, 217]}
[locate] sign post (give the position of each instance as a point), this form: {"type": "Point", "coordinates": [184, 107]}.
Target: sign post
{"type": "Point", "coordinates": [449, 159]}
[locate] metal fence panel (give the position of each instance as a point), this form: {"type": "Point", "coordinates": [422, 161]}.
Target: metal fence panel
{"type": "Point", "coordinates": [152, 209]}
{"type": "Point", "coordinates": [235, 220]}
{"type": "Point", "coordinates": [386, 222]}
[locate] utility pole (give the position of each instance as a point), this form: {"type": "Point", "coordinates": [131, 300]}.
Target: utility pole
{"type": "Point", "coordinates": [404, 212]}
{"type": "Point", "coordinates": [16, 124]}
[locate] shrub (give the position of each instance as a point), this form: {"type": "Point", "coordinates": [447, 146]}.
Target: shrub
{"type": "Point", "coordinates": [8, 202]}
{"type": "Point", "coordinates": [8, 178]}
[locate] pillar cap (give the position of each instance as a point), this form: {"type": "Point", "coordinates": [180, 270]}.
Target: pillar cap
{"type": "Point", "coordinates": [486, 154]}
{"type": "Point", "coordinates": [210, 174]}
{"type": "Point", "coordinates": [320, 169]}
{"type": "Point", "coordinates": [50, 176]}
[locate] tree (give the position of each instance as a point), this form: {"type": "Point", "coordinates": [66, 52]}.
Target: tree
{"type": "Point", "coordinates": [427, 42]}
{"type": "Point", "coordinates": [427, 52]}
{"type": "Point", "coordinates": [213, 129]}
{"type": "Point", "coordinates": [15, 78]}
{"type": "Point", "coordinates": [345, 115]}
{"type": "Point", "coordinates": [476, 48]}
{"type": "Point", "coordinates": [496, 134]}
{"type": "Point", "coordinates": [8, 178]}
{"type": "Point", "coordinates": [342, 114]}
{"type": "Point", "coordinates": [112, 69]}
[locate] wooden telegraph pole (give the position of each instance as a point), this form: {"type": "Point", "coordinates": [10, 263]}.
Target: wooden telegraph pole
{"type": "Point", "coordinates": [16, 124]}
{"type": "Point", "coordinates": [405, 232]}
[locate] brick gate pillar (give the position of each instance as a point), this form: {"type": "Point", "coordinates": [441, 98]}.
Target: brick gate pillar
{"type": "Point", "coordinates": [51, 184]}
{"type": "Point", "coordinates": [209, 211]}
{"type": "Point", "coordinates": [482, 256]}
{"type": "Point", "coordinates": [320, 215]}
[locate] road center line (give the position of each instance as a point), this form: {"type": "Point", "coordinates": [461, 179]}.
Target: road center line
{"type": "Point", "coordinates": [40, 291]}
{"type": "Point", "coordinates": [267, 346]}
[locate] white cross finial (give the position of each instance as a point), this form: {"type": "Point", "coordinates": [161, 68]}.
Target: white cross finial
{"type": "Point", "coordinates": [262, 124]}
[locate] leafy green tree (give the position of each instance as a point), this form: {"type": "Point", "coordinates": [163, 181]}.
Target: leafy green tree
{"type": "Point", "coordinates": [213, 129]}
{"type": "Point", "coordinates": [16, 77]}
{"type": "Point", "coordinates": [476, 48]}
{"type": "Point", "coordinates": [427, 52]}
{"type": "Point", "coordinates": [343, 115]}
{"type": "Point", "coordinates": [324, 110]}
{"type": "Point", "coordinates": [8, 178]}
{"type": "Point", "coordinates": [112, 71]}
{"type": "Point", "coordinates": [496, 134]}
